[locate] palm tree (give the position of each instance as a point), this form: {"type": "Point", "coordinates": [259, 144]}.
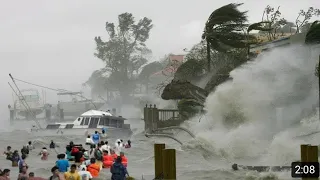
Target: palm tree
{"type": "Point", "coordinates": [260, 26]}
{"type": "Point", "coordinates": [223, 29]}
{"type": "Point", "coordinates": [313, 34]}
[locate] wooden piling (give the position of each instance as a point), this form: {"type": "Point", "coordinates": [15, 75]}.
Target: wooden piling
{"type": "Point", "coordinates": [304, 152]}
{"type": "Point", "coordinates": [158, 157]}
{"type": "Point", "coordinates": [169, 164]}
{"type": "Point", "coordinates": [312, 153]}
{"type": "Point", "coordinates": [309, 154]}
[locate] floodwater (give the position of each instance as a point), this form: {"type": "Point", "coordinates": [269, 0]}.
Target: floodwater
{"type": "Point", "coordinates": [252, 120]}
{"type": "Point", "coordinates": [194, 160]}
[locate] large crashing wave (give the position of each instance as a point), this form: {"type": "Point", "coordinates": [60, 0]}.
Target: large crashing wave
{"type": "Point", "coordinates": [242, 119]}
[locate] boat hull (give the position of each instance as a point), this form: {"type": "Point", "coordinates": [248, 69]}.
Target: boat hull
{"type": "Point", "coordinates": [83, 132]}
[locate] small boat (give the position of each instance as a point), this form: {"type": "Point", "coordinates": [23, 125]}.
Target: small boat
{"type": "Point", "coordinates": [88, 123]}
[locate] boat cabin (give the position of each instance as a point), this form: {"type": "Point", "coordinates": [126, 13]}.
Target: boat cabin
{"type": "Point", "coordinates": [93, 119]}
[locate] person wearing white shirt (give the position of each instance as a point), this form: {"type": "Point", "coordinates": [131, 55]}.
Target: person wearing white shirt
{"type": "Point", "coordinates": [89, 140]}
{"type": "Point", "coordinates": [105, 146]}
{"type": "Point", "coordinates": [118, 147]}
{"type": "Point", "coordinates": [84, 174]}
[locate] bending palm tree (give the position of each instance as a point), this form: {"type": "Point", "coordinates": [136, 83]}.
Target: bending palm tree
{"type": "Point", "coordinates": [223, 30]}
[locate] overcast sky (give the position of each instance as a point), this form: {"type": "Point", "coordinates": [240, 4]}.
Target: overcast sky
{"type": "Point", "coordinates": [52, 42]}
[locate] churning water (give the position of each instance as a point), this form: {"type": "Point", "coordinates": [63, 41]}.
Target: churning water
{"type": "Point", "coordinates": [253, 120]}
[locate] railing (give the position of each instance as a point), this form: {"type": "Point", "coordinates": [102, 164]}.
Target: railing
{"type": "Point", "coordinates": [158, 118]}
{"type": "Point", "coordinates": [168, 114]}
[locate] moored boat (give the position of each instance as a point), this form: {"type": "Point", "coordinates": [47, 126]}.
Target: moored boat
{"type": "Point", "coordinates": [88, 123]}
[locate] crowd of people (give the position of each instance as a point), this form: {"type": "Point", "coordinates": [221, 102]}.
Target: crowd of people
{"type": "Point", "coordinates": [87, 163]}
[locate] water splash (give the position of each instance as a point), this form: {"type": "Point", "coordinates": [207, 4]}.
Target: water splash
{"type": "Point", "coordinates": [241, 120]}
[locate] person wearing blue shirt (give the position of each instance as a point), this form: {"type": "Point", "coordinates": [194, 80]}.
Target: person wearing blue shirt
{"type": "Point", "coordinates": [62, 163]}
{"type": "Point", "coordinates": [104, 130]}
{"type": "Point", "coordinates": [96, 137]}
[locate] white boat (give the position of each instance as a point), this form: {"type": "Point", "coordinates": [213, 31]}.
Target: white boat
{"type": "Point", "coordinates": [74, 103]}
{"type": "Point", "coordinates": [27, 105]}
{"type": "Point", "coordinates": [88, 123]}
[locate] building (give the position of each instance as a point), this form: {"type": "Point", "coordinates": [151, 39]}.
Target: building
{"type": "Point", "coordinates": [174, 62]}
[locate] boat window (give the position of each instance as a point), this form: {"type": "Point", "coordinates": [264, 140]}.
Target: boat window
{"type": "Point", "coordinates": [102, 120]}
{"type": "Point", "coordinates": [86, 122]}
{"type": "Point", "coordinates": [113, 123]}
{"type": "Point", "coordinates": [79, 119]}
{"type": "Point", "coordinates": [82, 122]}
{"type": "Point", "coordinates": [107, 121]}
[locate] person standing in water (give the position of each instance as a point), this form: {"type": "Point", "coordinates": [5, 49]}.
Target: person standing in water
{"type": "Point", "coordinates": [85, 175]}
{"type": "Point", "coordinates": [89, 141]}
{"type": "Point", "coordinates": [72, 174]}
{"type": "Point", "coordinates": [118, 170]}
{"type": "Point", "coordinates": [8, 153]}
{"type": "Point", "coordinates": [62, 163]}
{"type": "Point", "coordinates": [15, 158]}
{"type": "Point", "coordinates": [96, 137]}
{"type": "Point", "coordinates": [118, 147]}
{"type": "Point", "coordinates": [52, 145]}
{"type": "Point", "coordinates": [30, 146]}
{"type": "Point", "coordinates": [44, 154]}
{"type": "Point", "coordinates": [104, 132]}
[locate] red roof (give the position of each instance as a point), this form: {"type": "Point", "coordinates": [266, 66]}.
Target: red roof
{"type": "Point", "coordinates": [174, 62]}
{"type": "Point", "coordinates": [178, 58]}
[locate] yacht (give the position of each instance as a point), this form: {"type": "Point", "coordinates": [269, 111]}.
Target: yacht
{"type": "Point", "coordinates": [88, 123]}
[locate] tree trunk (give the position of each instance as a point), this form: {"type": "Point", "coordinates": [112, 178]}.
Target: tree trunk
{"type": "Point", "coordinates": [208, 56]}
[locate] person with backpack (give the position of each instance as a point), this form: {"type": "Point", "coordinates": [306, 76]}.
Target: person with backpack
{"type": "Point", "coordinates": [118, 171]}
{"type": "Point", "coordinates": [98, 153]}
{"type": "Point", "coordinates": [75, 151]}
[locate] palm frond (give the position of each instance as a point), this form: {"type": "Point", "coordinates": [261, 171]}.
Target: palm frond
{"type": "Point", "coordinates": [313, 35]}
{"type": "Point", "coordinates": [259, 26]}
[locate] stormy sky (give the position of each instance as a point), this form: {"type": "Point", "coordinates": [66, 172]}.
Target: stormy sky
{"type": "Point", "coordinates": [51, 42]}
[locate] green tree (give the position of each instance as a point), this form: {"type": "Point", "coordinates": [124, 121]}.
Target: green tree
{"type": "Point", "coordinates": [223, 29]}
{"type": "Point", "coordinates": [304, 17]}
{"type": "Point", "coordinates": [274, 22]}
{"type": "Point", "coordinates": [124, 51]}
{"type": "Point", "coordinates": [97, 82]}
{"type": "Point", "coordinates": [147, 71]}
{"type": "Point", "coordinates": [195, 65]}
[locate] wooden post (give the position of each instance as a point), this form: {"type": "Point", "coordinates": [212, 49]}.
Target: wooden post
{"type": "Point", "coordinates": [145, 117]}
{"type": "Point", "coordinates": [149, 118]}
{"type": "Point", "coordinates": [155, 117]}
{"type": "Point", "coordinates": [169, 164]}
{"type": "Point", "coordinates": [158, 148]}
{"type": "Point", "coordinates": [309, 154]}
{"type": "Point", "coordinates": [312, 156]}
{"type": "Point", "coordinates": [312, 153]}
{"type": "Point", "coordinates": [304, 152]}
